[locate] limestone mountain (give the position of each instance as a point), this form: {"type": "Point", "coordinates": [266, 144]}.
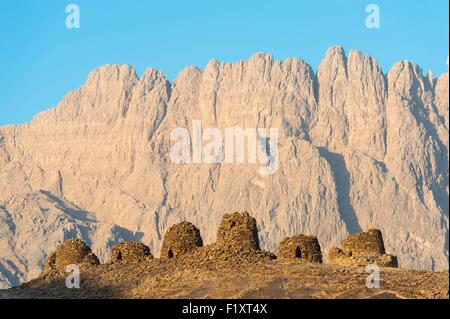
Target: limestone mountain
{"type": "Point", "coordinates": [358, 149]}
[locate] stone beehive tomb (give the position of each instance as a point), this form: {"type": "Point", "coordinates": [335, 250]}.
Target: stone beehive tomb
{"type": "Point", "coordinates": [362, 249]}
{"type": "Point", "coordinates": [72, 251]}
{"type": "Point", "coordinates": [368, 243]}
{"type": "Point", "coordinates": [301, 247]}
{"type": "Point", "coordinates": [238, 230]}
{"type": "Point", "coordinates": [130, 251]}
{"type": "Point", "coordinates": [180, 239]}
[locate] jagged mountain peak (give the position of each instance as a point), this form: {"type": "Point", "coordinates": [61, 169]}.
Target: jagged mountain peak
{"type": "Point", "coordinates": [357, 149]}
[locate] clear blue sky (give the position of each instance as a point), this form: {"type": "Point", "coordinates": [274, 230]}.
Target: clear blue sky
{"type": "Point", "coordinates": [41, 60]}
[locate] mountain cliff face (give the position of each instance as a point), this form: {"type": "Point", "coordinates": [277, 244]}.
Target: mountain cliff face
{"type": "Point", "coordinates": [357, 149]}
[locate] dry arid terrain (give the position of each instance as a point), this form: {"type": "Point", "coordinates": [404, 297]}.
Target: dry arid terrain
{"type": "Point", "coordinates": [265, 279]}
{"type": "Point", "coordinates": [358, 148]}
{"type": "Point", "coordinates": [232, 267]}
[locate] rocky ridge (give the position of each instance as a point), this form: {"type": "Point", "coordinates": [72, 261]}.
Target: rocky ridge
{"type": "Point", "coordinates": [228, 269]}
{"type": "Point", "coordinates": [358, 149]}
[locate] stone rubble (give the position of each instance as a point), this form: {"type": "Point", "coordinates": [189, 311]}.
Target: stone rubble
{"type": "Point", "coordinates": [129, 251]}
{"type": "Point", "coordinates": [362, 249]}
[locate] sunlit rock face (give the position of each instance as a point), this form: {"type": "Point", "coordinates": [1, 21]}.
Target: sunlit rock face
{"type": "Point", "coordinates": [357, 149]}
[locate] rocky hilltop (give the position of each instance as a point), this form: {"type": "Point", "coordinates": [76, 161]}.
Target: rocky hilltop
{"type": "Point", "coordinates": [358, 149]}
{"type": "Point", "coordinates": [232, 267]}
